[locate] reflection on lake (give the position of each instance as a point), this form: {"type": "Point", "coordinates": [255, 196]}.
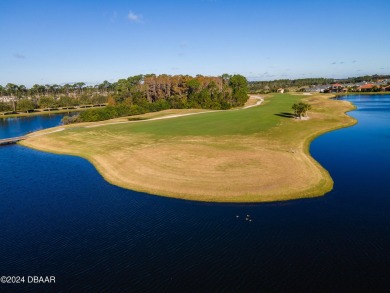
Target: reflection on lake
{"type": "Point", "coordinates": [12, 127]}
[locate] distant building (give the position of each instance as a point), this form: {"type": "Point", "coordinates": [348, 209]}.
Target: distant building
{"type": "Point", "coordinates": [281, 91]}
{"type": "Point", "coordinates": [336, 88]}
{"type": "Point", "coordinates": [6, 99]}
{"type": "Point", "coordinates": [366, 87]}
{"type": "Point", "coordinates": [386, 88]}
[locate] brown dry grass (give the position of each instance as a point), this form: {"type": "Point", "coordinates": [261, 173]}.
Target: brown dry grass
{"type": "Point", "coordinates": [269, 165]}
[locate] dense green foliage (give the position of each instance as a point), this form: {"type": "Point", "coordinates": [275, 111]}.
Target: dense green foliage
{"type": "Point", "coordinates": [121, 110]}
{"type": "Point", "coordinates": [150, 93]}
{"type": "Point", "coordinates": [134, 95]}
{"type": "Point", "coordinates": [25, 105]}
{"type": "Point", "coordinates": [5, 107]}
{"type": "Point", "coordinates": [47, 102]}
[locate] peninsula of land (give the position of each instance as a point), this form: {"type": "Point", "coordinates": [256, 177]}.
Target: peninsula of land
{"type": "Point", "coordinates": [251, 154]}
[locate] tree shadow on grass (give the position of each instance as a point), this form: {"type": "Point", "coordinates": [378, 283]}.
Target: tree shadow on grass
{"type": "Point", "coordinates": [286, 115]}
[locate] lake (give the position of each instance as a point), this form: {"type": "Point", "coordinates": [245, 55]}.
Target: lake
{"type": "Point", "coordinates": [60, 218]}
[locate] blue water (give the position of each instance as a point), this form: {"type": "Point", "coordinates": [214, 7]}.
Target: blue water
{"type": "Point", "coordinates": [59, 217]}
{"type": "Point", "coordinates": [12, 127]}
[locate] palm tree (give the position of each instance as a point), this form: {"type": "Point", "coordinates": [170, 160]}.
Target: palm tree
{"type": "Point", "coordinates": [47, 89]}
{"type": "Point", "coordinates": [66, 88]}
{"type": "Point", "coordinates": [22, 91]}
{"type": "Point", "coordinates": [54, 89]}
{"type": "Point", "coordinates": [105, 86]}
{"type": "Point", "coordinates": [11, 91]}
{"type": "Point", "coordinates": [79, 86]}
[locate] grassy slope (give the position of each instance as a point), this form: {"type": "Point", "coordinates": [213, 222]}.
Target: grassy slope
{"type": "Point", "coordinates": [246, 155]}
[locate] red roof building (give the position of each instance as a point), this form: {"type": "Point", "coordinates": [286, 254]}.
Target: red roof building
{"type": "Point", "coordinates": [337, 85]}
{"type": "Point", "coordinates": [336, 88]}
{"type": "Point", "coordinates": [367, 87]}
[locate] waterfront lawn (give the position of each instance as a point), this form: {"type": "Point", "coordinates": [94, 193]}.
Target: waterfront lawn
{"type": "Point", "coordinates": [248, 155]}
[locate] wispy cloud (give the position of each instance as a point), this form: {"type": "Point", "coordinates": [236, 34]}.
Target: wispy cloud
{"type": "Point", "coordinates": [183, 44]}
{"type": "Point", "coordinates": [333, 63]}
{"type": "Point", "coordinates": [19, 56]}
{"type": "Point", "coordinates": [134, 17]}
{"type": "Point", "coordinates": [354, 61]}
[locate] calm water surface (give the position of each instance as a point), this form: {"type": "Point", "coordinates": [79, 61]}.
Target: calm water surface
{"type": "Point", "coordinates": [59, 217]}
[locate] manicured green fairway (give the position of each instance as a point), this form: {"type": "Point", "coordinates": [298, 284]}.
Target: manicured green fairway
{"type": "Point", "coordinates": [232, 122]}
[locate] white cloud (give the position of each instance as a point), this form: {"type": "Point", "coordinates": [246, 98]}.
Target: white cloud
{"type": "Point", "coordinates": [134, 17]}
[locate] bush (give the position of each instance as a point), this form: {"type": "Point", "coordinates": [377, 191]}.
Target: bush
{"type": "Point", "coordinates": [70, 119]}
{"type": "Point", "coordinates": [111, 112]}
{"type": "Point", "coordinates": [4, 107]}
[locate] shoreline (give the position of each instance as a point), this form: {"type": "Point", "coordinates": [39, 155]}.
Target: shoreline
{"type": "Point", "coordinates": [45, 113]}
{"type": "Point", "coordinates": [361, 94]}
{"type": "Point", "coordinates": [324, 185]}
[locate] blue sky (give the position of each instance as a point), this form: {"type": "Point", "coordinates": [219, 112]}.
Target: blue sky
{"type": "Point", "coordinates": [91, 41]}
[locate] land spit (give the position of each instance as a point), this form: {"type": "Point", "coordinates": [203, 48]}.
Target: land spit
{"type": "Point", "coordinates": [254, 154]}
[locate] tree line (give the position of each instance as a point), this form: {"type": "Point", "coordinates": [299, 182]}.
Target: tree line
{"type": "Point", "coordinates": [15, 98]}
{"type": "Point", "coordinates": [50, 103]}
{"type": "Point", "coordinates": [39, 90]}
{"type": "Point", "coordinates": [273, 85]}
{"type": "Point", "coordinates": [367, 78]}
{"type": "Point", "coordinates": [145, 93]}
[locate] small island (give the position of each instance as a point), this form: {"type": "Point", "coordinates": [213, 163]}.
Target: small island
{"type": "Point", "coordinates": [253, 152]}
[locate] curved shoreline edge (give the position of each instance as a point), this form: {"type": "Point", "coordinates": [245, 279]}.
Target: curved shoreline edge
{"type": "Point", "coordinates": [328, 184]}
{"type": "Point", "coordinates": [325, 185]}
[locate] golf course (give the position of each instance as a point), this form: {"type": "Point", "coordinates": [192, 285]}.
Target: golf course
{"type": "Point", "coordinates": [251, 154]}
